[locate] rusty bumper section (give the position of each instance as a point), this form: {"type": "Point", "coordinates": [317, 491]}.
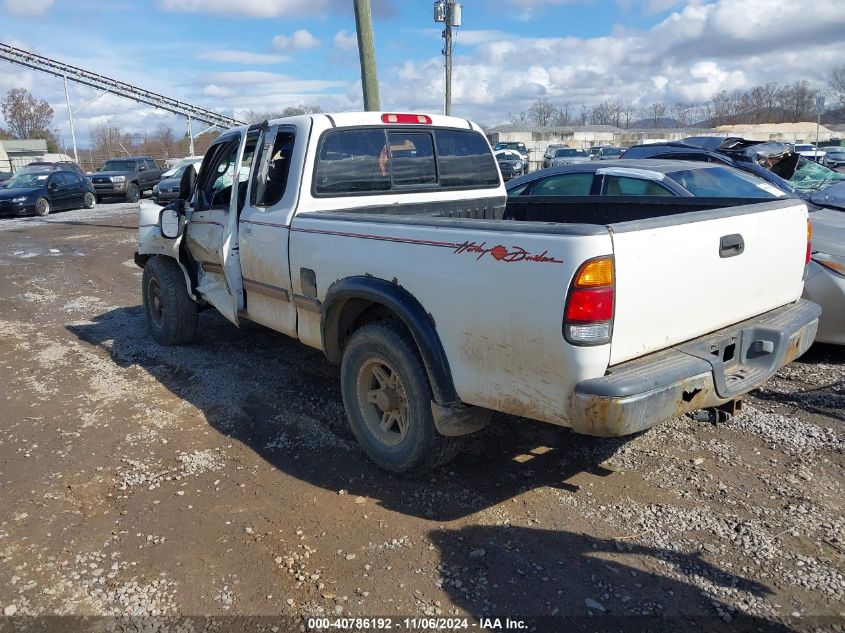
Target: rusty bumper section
{"type": "Point", "coordinates": [705, 372]}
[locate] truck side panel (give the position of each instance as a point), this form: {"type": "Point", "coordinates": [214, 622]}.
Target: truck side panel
{"type": "Point", "coordinates": [495, 296]}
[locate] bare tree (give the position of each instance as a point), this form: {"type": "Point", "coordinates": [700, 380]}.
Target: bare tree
{"type": "Point", "coordinates": [563, 117]}
{"type": "Point", "coordinates": [656, 112]}
{"type": "Point", "coordinates": [627, 112]}
{"type": "Point", "coordinates": [583, 115]}
{"type": "Point", "coordinates": [542, 113]}
{"type": "Point", "coordinates": [798, 101]}
{"type": "Point", "coordinates": [520, 119]}
{"type": "Point", "coordinates": [28, 118]}
{"type": "Point", "coordinates": [720, 108]}
{"type": "Point", "coordinates": [682, 113]}
{"type": "Point", "coordinates": [836, 81]}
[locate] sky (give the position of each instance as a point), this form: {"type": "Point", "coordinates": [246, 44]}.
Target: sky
{"type": "Point", "coordinates": [236, 56]}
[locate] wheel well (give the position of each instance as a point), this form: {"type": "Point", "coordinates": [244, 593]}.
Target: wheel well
{"type": "Point", "coordinates": [357, 313]}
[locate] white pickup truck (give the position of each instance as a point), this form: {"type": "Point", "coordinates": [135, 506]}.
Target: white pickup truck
{"type": "Point", "coordinates": [383, 240]}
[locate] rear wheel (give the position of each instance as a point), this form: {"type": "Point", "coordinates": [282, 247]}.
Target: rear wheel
{"type": "Point", "coordinates": [89, 200]}
{"type": "Point", "coordinates": [387, 399]}
{"type": "Point", "coordinates": [42, 207]}
{"type": "Point", "coordinates": [133, 193]}
{"type": "Point", "coordinates": [171, 313]}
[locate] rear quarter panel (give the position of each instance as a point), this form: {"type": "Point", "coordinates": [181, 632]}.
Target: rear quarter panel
{"type": "Point", "coordinates": [497, 310]}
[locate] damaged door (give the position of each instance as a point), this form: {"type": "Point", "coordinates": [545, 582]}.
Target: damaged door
{"type": "Point", "coordinates": [212, 228]}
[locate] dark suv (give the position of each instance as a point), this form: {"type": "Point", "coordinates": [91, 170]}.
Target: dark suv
{"type": "Point", "coordinates": [126, 178]}
{"type": "Point", "coordinates": [58, 165]}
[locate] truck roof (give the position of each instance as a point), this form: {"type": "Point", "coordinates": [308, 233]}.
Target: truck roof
{"type": "Point", "coordinates": [353, 119]}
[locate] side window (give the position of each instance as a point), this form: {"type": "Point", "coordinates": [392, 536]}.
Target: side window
{"type": "Point", "coordinates": [151, 164]}
{"type": "Point", "coordinates": [353, 161]}
{"type": "Point", "coordinates": [464, 160]}
{"type": "Point", "coordinates": [564, 185]}
{"type": "Point", "coordinates": [271, 176]}
{"type": "Point", "coordinates": [217, 175]}
{"type": "Point", "coordinates": [518, 191]}
{"type": "Point", "coordinates": [141, 165]}
{"type": "Point", "coordinates": [624, 186]}
{"type": "Point", "coordinates": [412, 158]}
{"type": "Point", "coordinates": [244, 169]}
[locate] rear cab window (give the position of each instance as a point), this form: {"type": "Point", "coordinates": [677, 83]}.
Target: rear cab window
{"type": "Point", "coordinates": [365, 161]}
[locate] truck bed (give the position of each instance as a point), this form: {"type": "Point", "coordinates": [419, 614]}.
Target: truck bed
{"type": "Point", "coordinates": [610, 209]}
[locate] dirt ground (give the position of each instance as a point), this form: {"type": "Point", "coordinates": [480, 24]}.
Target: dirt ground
{"type": "Point", "coordinates": [221, 478]}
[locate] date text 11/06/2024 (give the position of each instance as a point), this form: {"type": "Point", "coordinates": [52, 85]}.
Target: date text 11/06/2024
{"type": "Point", "coordinates": [427, 624]}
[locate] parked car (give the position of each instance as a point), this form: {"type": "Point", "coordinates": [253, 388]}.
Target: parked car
{"type": "Point", "coordinates": [628, 177]}
{"type": "Point", "coordinates": [823, 193]}
{"type": "Point", "coordinates": [811, 152]}
{"type": "Point", "coordinates": [549, 154]}
{"type": "Point", "coordinates": [835, 157]}
{"type": "Point", "coordinates": [792, 174]}
{"type": "Point", "coordinates": [168, 188]}
{"type": "Point", "coordinates": [510, 163]}
{"type": "Point", "coordinates": [41, 192]}
{"type": "Point", "coordinates": [59, 165]}
{"type": "Point", "coordinates": [126, 178]}
{"type": "Point", "coordinates": [516, 146]}
{"type": "Point", "coordinates": [569, 156]}
{"type": "Point", "coordinates": [825, 280]}
{"type": "Point", "coordinates": [382, 261]}
{"type": "Point", "coordinates": [606, 153]}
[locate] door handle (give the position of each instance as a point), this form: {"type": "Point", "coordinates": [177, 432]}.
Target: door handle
{"type": "Point", "coordinates": [731, 245]}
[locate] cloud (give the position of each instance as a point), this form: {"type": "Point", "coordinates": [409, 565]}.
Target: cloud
{"type": "Point", "coordinates": [227, 56]}
{"type": "Point", "coordinates": [300, 40]}
{"type": "Point", "coordinates": [269, 8]}
{"type": "Point", "coordinates": [696, 51]}
{"type": "Point", "coordinates": [27, 7]}
{"type": "Point", "coordinates": [345, 41]}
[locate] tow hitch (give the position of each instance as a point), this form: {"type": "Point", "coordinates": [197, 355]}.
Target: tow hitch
{"type": "Point", "coordinates": [720, 414]}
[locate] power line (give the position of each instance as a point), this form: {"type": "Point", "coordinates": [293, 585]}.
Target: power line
{"type": "Point", "coordinates": [114, 86]}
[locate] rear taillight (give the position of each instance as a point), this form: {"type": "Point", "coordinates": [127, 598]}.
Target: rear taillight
{"type": "Point", "coordinates": [405, 118]}
{"type": "Point", "coordinates": [588, 317]}
{"type": "Point", "coordinates": [809, 243]}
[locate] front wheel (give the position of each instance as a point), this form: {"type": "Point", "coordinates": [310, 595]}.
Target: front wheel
{"type": "Point", "coordinates": [88, 201]}
{"type": "Point", "coordinates": [171, 313]}
{"type": "Point", "coordinates": [387, 398]}
{"type": "Point", "coordinates": [42, 207]}
{"type": "Point", "coordinates": [133, 193]}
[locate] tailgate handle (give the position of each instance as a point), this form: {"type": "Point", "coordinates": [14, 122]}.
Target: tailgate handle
{"type": "Point", "coordinates": [731, 245]}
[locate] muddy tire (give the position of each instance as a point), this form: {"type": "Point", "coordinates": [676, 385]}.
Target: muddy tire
{"type": "Point", "coordinates": [133, 193]}
{"type": "Point", "coordinates": [89, 200]}
{"type": "Point", "coordinates": [171, 313]}
{"type": "Point", "coordinates": [42, 207]}
{"type": "Point", "coordinates": [387, 398]}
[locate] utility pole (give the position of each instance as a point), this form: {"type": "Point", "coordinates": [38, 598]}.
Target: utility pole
{"type": "Point", "coordinates": [448, 12]}
{"type": "Point", "coordinates": [367, 54]}
{"type": "Point", "coordinates": [819, 107]}
{"type": "Point", "coordinates": [72, 130]}
{"type": "Point", "coordinates": [190, 138]}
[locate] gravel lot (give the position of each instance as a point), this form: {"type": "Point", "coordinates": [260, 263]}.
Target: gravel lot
{"type": "Point", "coordinates": [221, 478]}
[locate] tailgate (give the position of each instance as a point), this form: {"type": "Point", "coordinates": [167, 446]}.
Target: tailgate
{"type": "Point", "coordinates": [683, 276]}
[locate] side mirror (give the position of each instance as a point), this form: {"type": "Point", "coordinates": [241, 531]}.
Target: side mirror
{"type": "Point", "coordinates": [170, 221]}
{"type": "Point", "coordinates": [53, 186]}
{"type": "Point", "coordinates": [142, 168]}
{"type": "Point", "coordinates": [187, 183]}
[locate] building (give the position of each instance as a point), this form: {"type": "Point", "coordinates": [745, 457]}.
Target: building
{"type": "Point", "coordinates": [15, 154]}
{"type": "Point", "coordinates": [804, 132]}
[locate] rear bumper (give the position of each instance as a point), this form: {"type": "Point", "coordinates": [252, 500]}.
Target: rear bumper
{"type": "Point", "coordinates": [705, 372]}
